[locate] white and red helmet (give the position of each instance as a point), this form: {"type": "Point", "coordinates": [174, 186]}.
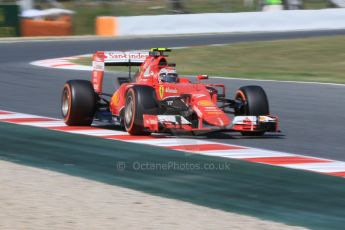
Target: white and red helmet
{"type": "Point", "coordinates": [168, 74]}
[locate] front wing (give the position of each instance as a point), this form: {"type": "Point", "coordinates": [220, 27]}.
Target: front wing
{"type": "Point", "coordinates": [164, 123]}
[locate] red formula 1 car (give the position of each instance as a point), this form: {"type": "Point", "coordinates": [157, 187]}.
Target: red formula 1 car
{"type": "Point", "coordinates": [157, 99]}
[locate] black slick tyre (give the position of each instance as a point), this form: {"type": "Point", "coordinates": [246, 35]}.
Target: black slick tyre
{"type": "Point", "coordinates": [140, 100]}
{"type": "Point", "coordinates": [255, 103]}
{"type": "Point", "coordinates": [78, 103]}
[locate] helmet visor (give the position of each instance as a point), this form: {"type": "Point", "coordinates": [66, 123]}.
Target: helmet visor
{"type": "Point", "coordinates": [168, 77]}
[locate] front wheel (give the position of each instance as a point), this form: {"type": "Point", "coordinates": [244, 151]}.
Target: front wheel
{"type": "Point", "coordinates": [140, 100]}
{"type": "Point", "coordinates": [255, 103]}
{"type": "Point", "coordinates": [78, 103]}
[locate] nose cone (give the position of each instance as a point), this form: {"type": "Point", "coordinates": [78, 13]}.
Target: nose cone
{"type": "Point", "coordinates": [211, 113]}
{"type": "Point", "coordinates": [219, 120]}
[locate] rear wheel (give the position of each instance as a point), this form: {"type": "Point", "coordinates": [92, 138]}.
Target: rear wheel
{"type": "Point", "coordinates": [255, 103]}
{"type": "Point", "coordinates": [140, 100]}
{"type": "Point", "coordinates": [78, 102]}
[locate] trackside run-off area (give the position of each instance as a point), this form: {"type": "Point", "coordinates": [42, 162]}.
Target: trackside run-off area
{"type": "Point", "coordinates": [189, 145]}
{"type": "Point", "coordinates": [293, 197]}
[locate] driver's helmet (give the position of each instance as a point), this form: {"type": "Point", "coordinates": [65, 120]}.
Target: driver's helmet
{"type": "Point", "coordinates": [168, 75]}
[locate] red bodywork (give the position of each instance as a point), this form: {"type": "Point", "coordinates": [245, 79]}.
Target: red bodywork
{"type": "Point", "coordinates": [201, 100]}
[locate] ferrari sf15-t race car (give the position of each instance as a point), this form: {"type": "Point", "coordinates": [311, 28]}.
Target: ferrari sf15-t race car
{"type": "Point", "coordinates": [157, 99]}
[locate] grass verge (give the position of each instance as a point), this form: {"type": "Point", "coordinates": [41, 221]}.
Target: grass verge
{"type": "Point", "coordinates": [313, 60]}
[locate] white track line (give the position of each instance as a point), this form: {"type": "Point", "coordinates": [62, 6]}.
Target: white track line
{"type": "Point", "coordinates": [44, 124]}
{"type": "Point", "coordinates": [246, 153]}
{"type": "Point", "coordinates": [102, 132]}
{"type": "Point", "coordinates": [172, 142]}
{"type": "Point", "coordinates": [325, 167]}
{"type": "Point", "coordinates": [17, 115]}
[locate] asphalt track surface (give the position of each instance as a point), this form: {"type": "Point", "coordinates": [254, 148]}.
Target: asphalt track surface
{"type": "Point", "coordinates": [311, 115]}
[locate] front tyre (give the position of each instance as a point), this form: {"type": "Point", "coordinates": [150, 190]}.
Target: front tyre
{"type": "Point", "coordinates": [140, 100]}
{"type": "Point", "coordinates": [254, 103]}
{"type": "Point", "coordinates": [78, 103]}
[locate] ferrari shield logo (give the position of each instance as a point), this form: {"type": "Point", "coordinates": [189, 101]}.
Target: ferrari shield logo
{"type": "Point", "coordinates": [161, 91]}
{"type": "Point", "coordinates": [116, 99]}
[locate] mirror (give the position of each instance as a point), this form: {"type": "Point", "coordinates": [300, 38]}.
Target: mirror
{"type": "Point", "coordinates": [202, 77]}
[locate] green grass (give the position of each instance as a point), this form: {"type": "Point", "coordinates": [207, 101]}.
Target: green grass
{"type": "Point", "coordinates": [313, 59]}
{"type": "Point", "coordinates": [86, 11]}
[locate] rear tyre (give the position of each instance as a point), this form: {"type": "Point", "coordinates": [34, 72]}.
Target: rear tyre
{"type": "Point", "coordinates": [78, 103]}
{"type": "Point", "coordinates": [140, 100]}
{"type": "Point", "coordinates": [255, 103]}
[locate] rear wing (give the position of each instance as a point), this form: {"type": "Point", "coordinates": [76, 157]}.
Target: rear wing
{"type": "Point", "coordinates": [120, 58]}
{"type": "Point", "coordinates": [127, 58]}
{"type": "Point", "coordinates": [114, 58]}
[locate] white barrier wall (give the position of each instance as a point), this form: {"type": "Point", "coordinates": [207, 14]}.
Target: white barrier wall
{"type": "Point", "coordinates": [230, 22]}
